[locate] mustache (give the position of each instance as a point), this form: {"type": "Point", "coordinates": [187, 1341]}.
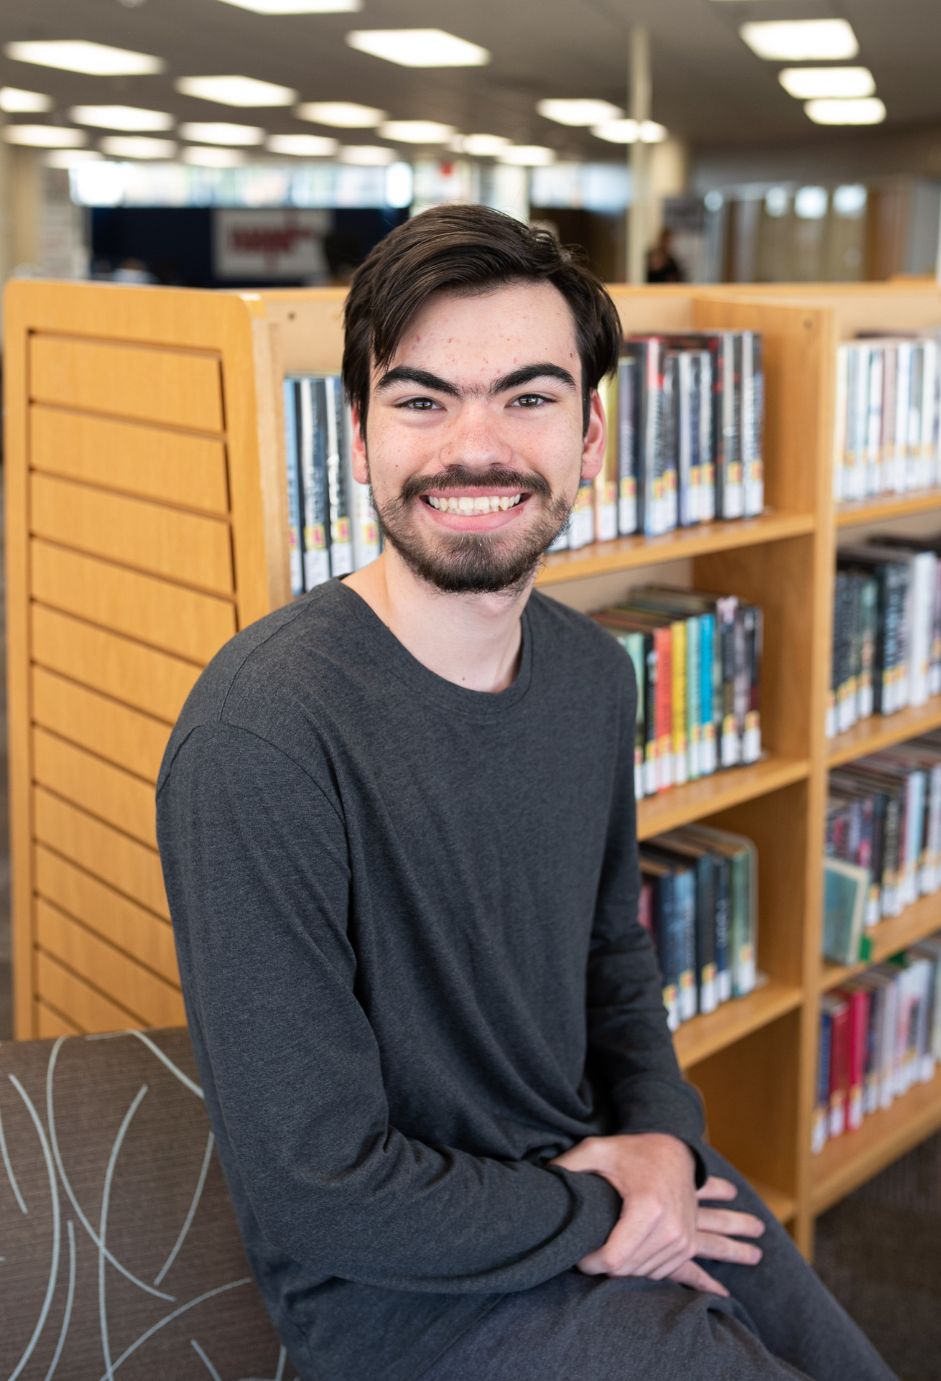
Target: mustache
{"type": "Point", "coordinates": [462, 477]}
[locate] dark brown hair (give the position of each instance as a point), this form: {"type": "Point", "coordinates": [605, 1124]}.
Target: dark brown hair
{"type": "Point", "coordinates": [467, 249]}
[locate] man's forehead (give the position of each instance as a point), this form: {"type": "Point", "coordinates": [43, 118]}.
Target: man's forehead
{"type": "Point", "coordinates": [500, 328]}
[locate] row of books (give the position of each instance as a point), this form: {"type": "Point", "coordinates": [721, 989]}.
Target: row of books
{"type": "Point", "coordinates": [888, 415]}
{"type": "Point", "coordinates": [332, 528]}
{"type": "Point", "coordinates": [883, 841]}
{"type": "Point", "coordinates": [685, 416]}
{"type": "Point", "coordinates": [886, 628]}
{"type": "Point", "coordinates": [699, 899]}
{"type": "Point", "coordinates": [879, 1035]}
{"type": "Point", "coordinates": [697, 663]}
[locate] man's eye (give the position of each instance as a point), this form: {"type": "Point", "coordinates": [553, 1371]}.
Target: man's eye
{"type": "Point", "coordinates": [531, 400]}
{"type": "Point", "coordinates": [418, 404]}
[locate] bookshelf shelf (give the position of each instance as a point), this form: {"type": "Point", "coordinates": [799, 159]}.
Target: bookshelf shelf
{"type": "Point", "coordinates": [722, 791]}
{"type": "Point", "coordinates": [855, 1157]}
{"type": "Point", "coordinates": [632, 553]}
{"type": "Point", "coordinates": [884, 731]}
{"type": "Point", "coordinates": [850, 515]}
{"type": "Point", "coordinates": [888, 937]}
{"type": "Point", "coordinates": [85, 420]}
{"type": "Point", "coordinates": [706, 1035]}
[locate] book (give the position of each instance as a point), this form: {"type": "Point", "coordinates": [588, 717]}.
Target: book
{"type": "Point", "coordinates": [742, 857]}
{"type": "Point", "coordinates": [292, 465]}
{"type": "Point", "coordinates": [845, 895]}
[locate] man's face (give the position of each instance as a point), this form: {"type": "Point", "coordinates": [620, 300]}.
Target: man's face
{"type": "Point", "coordinates": [475, 437]}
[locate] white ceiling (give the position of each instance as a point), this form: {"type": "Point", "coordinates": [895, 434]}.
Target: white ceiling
{"type": "Point", "coordinates": [707, 86]}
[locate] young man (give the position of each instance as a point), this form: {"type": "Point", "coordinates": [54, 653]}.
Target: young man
{"type": "Point", "coordinates": [398, 834]}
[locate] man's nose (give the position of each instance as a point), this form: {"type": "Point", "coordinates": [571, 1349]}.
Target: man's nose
{"type": "Point", "coordinates": [476, 437]}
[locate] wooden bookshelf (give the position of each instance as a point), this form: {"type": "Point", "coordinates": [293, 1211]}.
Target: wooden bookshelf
{"type": "Point", "coordinates": [884, 731]}
{"type": "Point", "coordinates": [889, 506]}
{"type": "Point", "coordinates": [146, 517]}
{"type": "Point", "coordinates": [855, 1157]}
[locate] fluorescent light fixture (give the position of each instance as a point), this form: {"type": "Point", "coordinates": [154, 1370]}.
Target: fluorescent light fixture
{"type": "Point", "coordinates": [777, 202]}
{"type": "Point", "coordinates": [400, 184]}
{"type": "Point", "coordinates": [341, 114]}
{"type": "Point", "coordinates": [70, 158]}
{"type": "Point", "coordinates": [301, 145]}
{"type": "Point", "coordinates": [212, 158]}
{"type": "Point", "coordinates": [481, 145]}
{"type": "Point", "coordinates": [366, 155]}
{"type": "Point", "coordinates": [527, 155]}
{"type": "Point", "coordinates": [809, 83]}
{"type": "Point", "coordinates": [578, 112]}
{"type": "Point", "coordinates": [121, 117]}
{"type": "Point", "coordinates": [239, 91]}
{"type": "Point", "coordinates": [626, 132]}
{"type": "Point", "coordinates": [45, 136]}
{"type": "Point", "coordinates": [418, 47]}
{"type": "Point", "coordinates": [868, 112]}
{"type": "Point", "coordinates": [849, 200]}
{"type": "Point", "coordinates": [137, 146]}
{"type": "Point", "coordinates": [76, 55]}
{"type": "Point", "coordinates": [17, 102]}
{"type": "Point", "coordinates": [219, 132]}
{"type": "Point", "coordinates": [297, 6]}
{"type": "Point", "coordinates": [801, 40]}
{"type": "Point", "coordinates": [416, 132]}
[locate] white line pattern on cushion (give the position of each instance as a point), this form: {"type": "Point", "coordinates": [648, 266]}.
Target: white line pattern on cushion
{"type": "Point", "coordinates": [105, 1200]}
{"type": "Point", "coordinates": [197, 1194]}
{"type": "Point", "coordinates": [70, 1296]}
{"type": "Point", "coordinates": [56, 1230]}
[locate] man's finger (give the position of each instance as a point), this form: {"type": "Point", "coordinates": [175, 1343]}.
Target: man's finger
{"type": "Point", "coordinates": [717, 1188]}
{"type": "Point", "coordinates": [717, 1247]}
{"type": "Point", "coordinates": [697, 1279]}
{"type": "Point", "coordinates": [729, 1221]}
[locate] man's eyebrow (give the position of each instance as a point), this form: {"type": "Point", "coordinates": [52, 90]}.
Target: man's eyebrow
{"type": "Point", "coordinates": [405, 374]}
{"type": "Point", "coordinates": [528, 372]}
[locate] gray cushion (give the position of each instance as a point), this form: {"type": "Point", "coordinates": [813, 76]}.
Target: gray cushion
{"type": "Point", "coordinates": [117, 1239]}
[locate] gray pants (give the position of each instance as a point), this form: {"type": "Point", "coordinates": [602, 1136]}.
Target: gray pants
{"type": "Point", "coordinates": [780, 1322]}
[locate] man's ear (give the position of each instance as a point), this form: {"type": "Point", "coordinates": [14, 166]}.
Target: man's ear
{"type": "Point", "coordinates": [596, 437]}
{"type": "Point", "coordinates": [358, 462]}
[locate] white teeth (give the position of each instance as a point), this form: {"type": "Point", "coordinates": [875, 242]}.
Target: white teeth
{"type": "Point", "coordinates": [489, 503]}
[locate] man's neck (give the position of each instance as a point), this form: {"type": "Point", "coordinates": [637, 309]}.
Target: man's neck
{"type": "Point", "coordinates": [472, 640]}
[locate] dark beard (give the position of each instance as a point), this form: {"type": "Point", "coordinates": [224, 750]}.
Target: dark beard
{"type": "Point", "coordinates": [470, 563]}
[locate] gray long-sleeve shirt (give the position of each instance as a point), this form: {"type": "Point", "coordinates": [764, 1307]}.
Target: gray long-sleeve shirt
{"type": "Point", "coordinates": [405, 916]}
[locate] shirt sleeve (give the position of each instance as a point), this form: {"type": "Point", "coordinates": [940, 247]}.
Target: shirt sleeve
{"type": "Point", "coordinates": [631, 1055]}
{"type": "Point", "coordinates": [255, 863]}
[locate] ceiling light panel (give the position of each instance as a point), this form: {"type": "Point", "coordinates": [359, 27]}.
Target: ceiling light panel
{"type": "Point", "coordinates": [219, 132]}
{"type": "Point", "coordinates": [237, 91]}
{"type": "Point", "coordinates": [527, 155]}
{"type": "Point", "coordinates": [809, 83]}
{"type": "Point", "coordinates": [121, 117]}
{"type": "Point", "coordinates": [302, 145]}
{"type": "Point", "coordinates": [578, 113]}
{"type": "Point", "coordinates": [628, 132]}
{"type": "Point", "coordinates": [16, 102]}
{"type": "Point", "coordinates": [297, 6]}
{"type": "Point", "coordinates": [44, 136]}
{"type": "Point", "coordinates": [137, 146]}
{"type": "Point", "coordinates": [70, 158]}
{"type": "Point", "coordinates": [93, 59]}
{"type": "Point", "coordinates": [481, 145]}
{"type": "Point", "coordinates": [418, 47]}
{"type": "Point", "coordinates": [416, 132]}
{"type": "Point", "coordinates": [802, 40]}
{"type": "Point", "coordinates": [868, 112]}
{"type": "Point", "coordinates": [366, 155]}
{"type": "Point", "coordinates": [341, 114]}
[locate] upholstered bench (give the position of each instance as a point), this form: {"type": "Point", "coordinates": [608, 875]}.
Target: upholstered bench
{"type": "Point", "coordinates": [119, 1253]}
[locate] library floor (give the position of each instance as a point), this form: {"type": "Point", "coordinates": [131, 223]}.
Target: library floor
{"type": "Point", "coordinates": [879, 1250]}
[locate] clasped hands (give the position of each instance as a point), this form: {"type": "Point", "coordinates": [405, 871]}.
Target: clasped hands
{"type": "Point", "coordinates": [663, 1224]}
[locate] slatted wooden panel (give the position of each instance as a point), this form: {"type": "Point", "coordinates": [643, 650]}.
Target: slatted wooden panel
{"type": "Point", "coordinates": [113, 731]}
{"type": "Point", "coordinates": [130, 457]}
{"type": "Point", "coordinates": [181, 388]}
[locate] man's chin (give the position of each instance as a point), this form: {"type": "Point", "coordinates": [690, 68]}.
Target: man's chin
{"type": "Point", "coordinates": [471, 567]}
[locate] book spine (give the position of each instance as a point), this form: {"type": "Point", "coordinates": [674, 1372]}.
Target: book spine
{"type": "Point", "coordinates": [839, 1068]}
{"type": "Point", "coordinates": [707, 445]}
{"type": "Point", "coordinates": [341, 526]}
{"type": "Point", "coordinates": [678, 708]}
{"type": "Point", "coordinates": [664, 708]}
{"type": "Point", "coordinates": [635, 649]}
{"type": "Point", "coordinates": [628, 518]}
{"type": "Point", "coordinates": [722, 889]}
{"type": "Point", "coordinates": [315, 499]}
{"type": "Point", "coordinates": [685, 893]}
{"type": "Point", "coordinates": [841, 422]}
{"type": "Point", "coordinates": [706, 969]}
{"type": "Point", "coordinates": [291, 458]}
{"type": "Point", "coordinates": [687, 493]}
{"type": "Point", "coordinates": [731, 482]}
{"type": "Point", "coordinates": [753, 632]}
{"type": "Point", "coordinates": [820, 1122]}
{"type": "Point", "coordinates": [753, 398]}
{"type": "Point", "coordinates": [606, 482]}
{"type": "Point", "coordinates": [707, 694]}
{"type": "Point", "coordinates": [651, 711]}
{"type": "Point", "coordinates": [693, 710]}
{"type": "Point", "coordinates": [729, 745]}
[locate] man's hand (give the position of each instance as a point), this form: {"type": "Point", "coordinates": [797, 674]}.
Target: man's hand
{"type": "Point", "coordinates": [662, 1226]}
